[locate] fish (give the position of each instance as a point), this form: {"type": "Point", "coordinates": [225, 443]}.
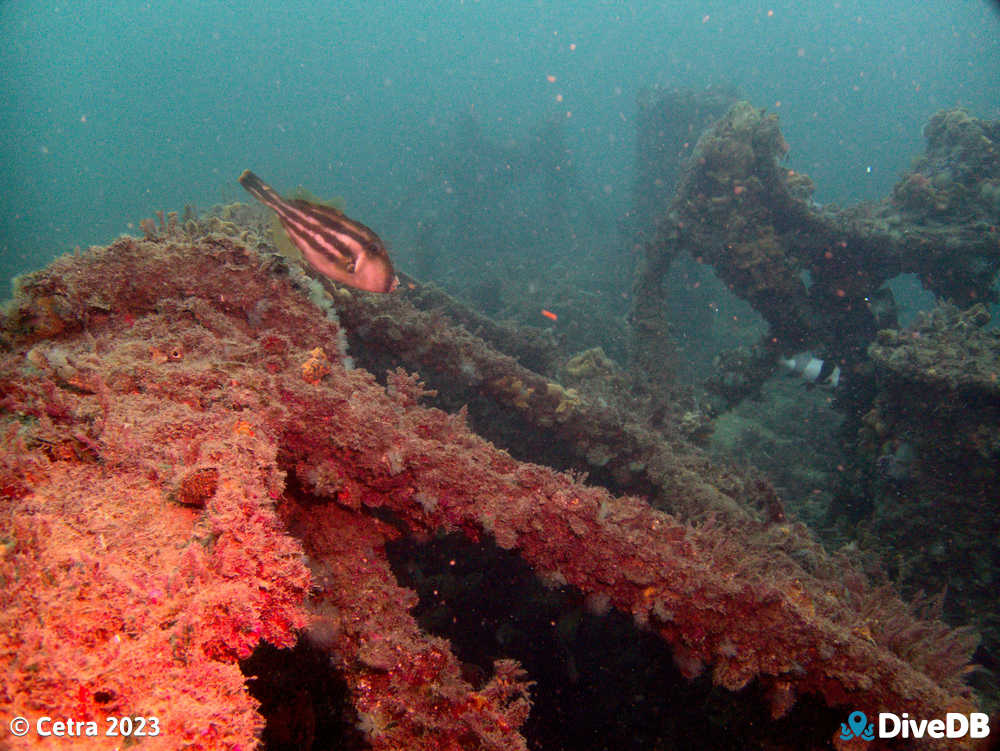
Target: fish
{"type": "Point", "coordinates": [814, 371]}
{"type": "Point", "coordinates": [882, 304]}
{"type": "Point", "coordinates": [335, 245]}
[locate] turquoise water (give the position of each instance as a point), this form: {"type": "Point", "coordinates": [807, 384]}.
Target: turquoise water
{"type": "Point", "coordinates": [112, 110]}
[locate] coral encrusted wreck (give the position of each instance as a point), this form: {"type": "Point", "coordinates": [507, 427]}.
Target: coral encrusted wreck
{"type": "Point", "coordinates": [188, 471]}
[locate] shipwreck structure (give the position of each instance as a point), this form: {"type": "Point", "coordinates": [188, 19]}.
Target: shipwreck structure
{"type": "Point", "coordinates": [192, 467]}
{"type": "Point", "coordinates": [813, 272]}
{"type": "Point", "coordinates": [921, 404]}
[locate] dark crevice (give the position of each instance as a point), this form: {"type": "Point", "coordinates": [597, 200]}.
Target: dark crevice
{"type": "Point", "coordinates": [601, 683]}
{"type": "Point", "coordinates": [303, 699]}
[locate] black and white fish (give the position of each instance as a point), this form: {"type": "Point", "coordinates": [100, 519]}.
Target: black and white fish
{"type": "Point", "coordinates": [335, 245]}
{"type": "Point", "coordinates": [812, 369]}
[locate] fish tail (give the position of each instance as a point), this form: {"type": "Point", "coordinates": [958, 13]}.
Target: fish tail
{"type": "Point", "coordinates": [261, 190]}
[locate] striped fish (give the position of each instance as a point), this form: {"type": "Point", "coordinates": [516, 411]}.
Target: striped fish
{"type": "Point", "coordinates": [814, 371]}
{"type": "Point", "coordinates": [336, 246]}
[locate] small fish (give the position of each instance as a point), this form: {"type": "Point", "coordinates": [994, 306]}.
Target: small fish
{"type": "Point", "coordinates": [814, 371]}
{"type": "Point", "coordinates": [335, 245]}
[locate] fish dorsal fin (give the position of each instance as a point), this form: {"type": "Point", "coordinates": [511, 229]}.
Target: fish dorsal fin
{"type": "Point", "coordinates": [304, 205]}
{"type": "Point", "coordinates": [302, 193]}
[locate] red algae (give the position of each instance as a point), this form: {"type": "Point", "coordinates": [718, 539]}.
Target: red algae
{"type": "Point", "coordinates": [156, 397]}
{"type": "Point", "coordinates": [407, 686]}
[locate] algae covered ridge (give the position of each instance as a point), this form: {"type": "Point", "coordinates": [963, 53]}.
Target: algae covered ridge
{"type": "Point", "coordinates": [193, 468]}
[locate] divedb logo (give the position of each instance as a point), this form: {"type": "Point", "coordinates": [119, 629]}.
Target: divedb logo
{"type": "Point", "coordinates": [857, 726]}
{"type": "Point", "coordinates": [954, 725]}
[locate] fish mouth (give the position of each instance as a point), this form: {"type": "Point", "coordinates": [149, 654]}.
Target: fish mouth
{"type": "Point", "coordinates": [372, 275]}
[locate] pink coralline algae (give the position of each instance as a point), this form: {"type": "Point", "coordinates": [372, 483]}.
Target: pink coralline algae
{"type": "Point", "coordinates": [188, 471]}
